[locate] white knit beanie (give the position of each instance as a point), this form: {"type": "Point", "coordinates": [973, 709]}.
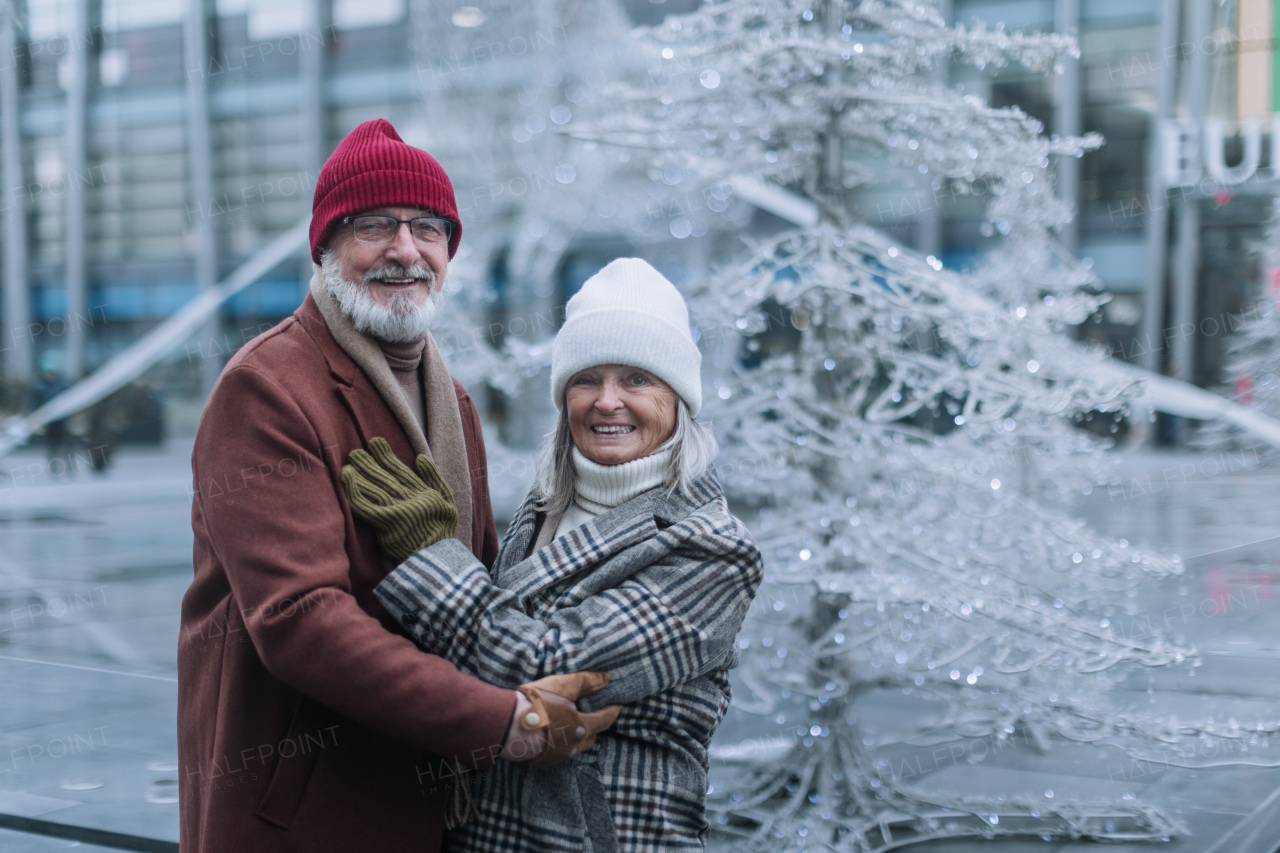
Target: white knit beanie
{"type": "Point", "coordinates": [628, 314]}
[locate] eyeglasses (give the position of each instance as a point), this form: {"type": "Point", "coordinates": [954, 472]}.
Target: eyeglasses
{"type": "Point", "coordinates": [380, 229]}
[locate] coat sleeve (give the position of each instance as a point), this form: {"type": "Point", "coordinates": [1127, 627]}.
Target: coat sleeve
{"type": "Point", "coordinates": [269, 499]}
{"type": "Point", "coordinates": [668, 623]}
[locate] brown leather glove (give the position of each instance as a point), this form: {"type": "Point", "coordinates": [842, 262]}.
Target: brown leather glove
{"type": "Point", "coordinates": [568, 730]}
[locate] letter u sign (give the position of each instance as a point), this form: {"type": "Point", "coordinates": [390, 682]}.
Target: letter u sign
{"type": "Point", "coordinates": [1215, 145]}
{"type": "Point", "coordinates": [1188, 153]}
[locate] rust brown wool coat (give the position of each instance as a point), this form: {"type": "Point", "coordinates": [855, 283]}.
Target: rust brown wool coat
{"type": "Point", "coordinates": [306, 721]}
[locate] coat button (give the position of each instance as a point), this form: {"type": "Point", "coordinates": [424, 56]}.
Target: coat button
{"type": "Point", "coordinates": [532, 720]}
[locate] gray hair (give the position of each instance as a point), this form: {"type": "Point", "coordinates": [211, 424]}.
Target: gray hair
{"type": "Point", "coordinates": [692, 443]}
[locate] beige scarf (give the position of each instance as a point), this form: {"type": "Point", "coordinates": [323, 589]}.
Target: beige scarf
{"type": "Point", "coordinates": [443, 420]}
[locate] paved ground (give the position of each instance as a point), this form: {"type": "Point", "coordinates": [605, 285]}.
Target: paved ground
{"type": "Point", "coordinates": [92, 570]}
{"type": "Point", "coordinates": [91, 574]}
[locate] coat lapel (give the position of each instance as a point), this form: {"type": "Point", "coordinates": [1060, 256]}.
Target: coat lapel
{"type": "Point", "coordinates": [580, 548]}
{"type": "Point", "coordinates": [516, 541]}
{"type": "Point", "coordinates": [352, 403]}
{"type": "Point", "coordinates": [591, 544]}
{"type": "Point", "coordinates": [366, 407]}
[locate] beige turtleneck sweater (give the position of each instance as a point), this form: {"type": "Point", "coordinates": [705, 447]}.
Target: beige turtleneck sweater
{"type": "Point", "coordinates": [404, 360]}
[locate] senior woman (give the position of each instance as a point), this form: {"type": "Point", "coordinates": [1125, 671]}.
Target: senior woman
{"type": "Point", "coordinates": [623, 559]}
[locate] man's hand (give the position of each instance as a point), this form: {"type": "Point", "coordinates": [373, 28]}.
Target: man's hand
{"type": "Point", "coordinates": [547, 725]}
{"type": "Point", "coordinates": [409, 510]}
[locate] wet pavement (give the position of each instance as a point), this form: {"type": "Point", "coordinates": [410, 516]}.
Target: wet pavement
{"type": "Point", "coordinates": [93, 568]}
{"type": "Point", "coordinates": [91, 575]}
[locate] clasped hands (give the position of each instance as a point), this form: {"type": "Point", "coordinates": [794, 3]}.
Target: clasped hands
{"type": "Point", "coordinates": [410, 509]}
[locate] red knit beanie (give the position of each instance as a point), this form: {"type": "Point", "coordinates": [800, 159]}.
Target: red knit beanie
{"type": "Point", "coordinates": [373, 167]}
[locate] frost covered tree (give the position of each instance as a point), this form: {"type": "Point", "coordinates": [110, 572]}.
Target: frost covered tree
{"type": "Point", "coordinates": [906, 432]}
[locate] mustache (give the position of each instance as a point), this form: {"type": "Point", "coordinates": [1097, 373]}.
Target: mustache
{"type": "Point", "coordinates": [397, 271]}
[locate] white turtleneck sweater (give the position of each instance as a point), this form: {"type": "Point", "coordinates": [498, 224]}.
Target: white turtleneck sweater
{"type": "Point", "coordinates": [600, 488]}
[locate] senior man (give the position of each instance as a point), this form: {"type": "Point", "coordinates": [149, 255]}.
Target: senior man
{"type": "Point", "coordinates": [306, 720]}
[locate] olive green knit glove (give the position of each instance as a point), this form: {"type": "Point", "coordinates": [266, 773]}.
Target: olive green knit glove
{"type": "Point", "coordinates": [409, 510]}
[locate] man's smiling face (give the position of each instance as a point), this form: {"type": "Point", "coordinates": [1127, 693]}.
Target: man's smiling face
{"type": "Point", "coordinates": [396, 266]}
{"type": "Point", "coordinates": [392, 290]}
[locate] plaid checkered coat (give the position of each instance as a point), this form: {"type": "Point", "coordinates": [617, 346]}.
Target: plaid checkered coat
{"type": "Point", "coordinates": [652, 592]}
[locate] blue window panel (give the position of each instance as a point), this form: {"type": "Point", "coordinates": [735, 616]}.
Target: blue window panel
{"type": "Point", "coordinates": [168, 297]}
{"type": "Point", "coordinates": [120, 302]}
{"type": "Point", "coordinates": [1014, 14]}
{"type": "Point", "coordinates": [159, 300]}
{"type": "Point", "coordinates": [1105, 11]}
{"type": "Point", "coordinates": [281, 297]}
{"type": "Point", "coordinates": [51, 302]}
{"type": "Point", "coordinates": [276, 297]}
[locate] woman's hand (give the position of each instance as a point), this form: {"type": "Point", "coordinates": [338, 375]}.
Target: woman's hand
{"type": "Point", "coordinates": [409, 510]}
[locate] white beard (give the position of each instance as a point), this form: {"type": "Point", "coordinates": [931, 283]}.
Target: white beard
{"type": "Point", "coordinates": [400, 320]}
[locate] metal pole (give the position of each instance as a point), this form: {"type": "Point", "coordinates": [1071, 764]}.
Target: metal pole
{"type": "Point", "coordinates": [81, 38]}
{"type": "Point", "coordinates": [1067, 119]}
{"type": "Point", "coordinates": [1185, 278]}
{"type": "Point", "coordinates": [313, 133]}
{"type": "Point", "coordinates": [1151, 345]}
{"type": "Point", "coordinates": [311, 60]}
{"type": "Point", "coordinates": [16, 343]}
{"type": "Point", "coordinates": [1186, 274]}
{"type": "Point", "coordinates": [200, 158]}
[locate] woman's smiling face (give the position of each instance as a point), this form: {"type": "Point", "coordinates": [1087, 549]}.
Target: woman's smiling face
{"type": "Point", "coordinates": [618, 413]}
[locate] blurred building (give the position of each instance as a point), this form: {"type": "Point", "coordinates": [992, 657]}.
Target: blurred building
{"type": "Point", "coordinates": [149, 147]}
{"type": "Point", "coordinates": [1172, 208]}
{"type": "Point", "coordinates": [138, 169]}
